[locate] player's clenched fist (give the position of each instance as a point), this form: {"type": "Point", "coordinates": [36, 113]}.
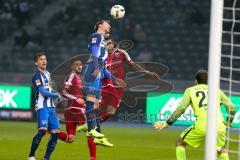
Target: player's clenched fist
{"type": "Point", "coordinates": [160, 125]}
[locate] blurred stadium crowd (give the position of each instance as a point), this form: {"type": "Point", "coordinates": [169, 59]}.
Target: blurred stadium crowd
{"type": "Point", "coordinates": [174, 32]}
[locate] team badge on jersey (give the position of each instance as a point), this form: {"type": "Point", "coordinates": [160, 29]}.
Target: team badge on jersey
{"type": "Point", "coordinates": [94, 40]}
{"type": "Point", "coordinates": [38, 82]}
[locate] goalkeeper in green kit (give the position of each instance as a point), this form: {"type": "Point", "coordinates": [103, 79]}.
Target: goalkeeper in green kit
{"type": "Point", "coordinates": [197, 97]}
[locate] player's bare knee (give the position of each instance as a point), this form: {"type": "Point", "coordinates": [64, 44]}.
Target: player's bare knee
{"type": "Point", "coordinates": [43, 128]}
{"type": "Point", "coordinates": [180, 142]}
{"type": "Point", "coordinates": [55, 131]}
{"type": "Point", "coordinates": [223, 150]}
{"type": "Point", "coordinates": [94, 100]}
{"type": "Point", "coordinates": [96, 104]}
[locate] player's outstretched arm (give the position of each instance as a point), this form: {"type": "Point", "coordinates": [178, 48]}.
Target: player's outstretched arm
{"type": "Point", "coordinates": [138, 68]}
{"type": "Point", "coordinates": [230, 108]}
{"type": "Point", "coordinates": [160, 125]}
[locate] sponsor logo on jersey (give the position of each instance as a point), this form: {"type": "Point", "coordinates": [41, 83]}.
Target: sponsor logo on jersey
{"type": "Point", "coordinates": [38, 82]}
{"type": "Point", "coordinates": [94, 40]}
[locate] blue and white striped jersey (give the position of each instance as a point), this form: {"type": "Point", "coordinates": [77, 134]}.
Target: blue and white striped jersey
{"type": "Point", "coordinates": [44, 96]}
{"type": "Point", "coordinates": [98, 58]}
{"type": "Point", "coordinates": [96, 46]}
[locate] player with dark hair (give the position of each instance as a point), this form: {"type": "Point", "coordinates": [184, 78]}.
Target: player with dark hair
{"type": "Point", "coordinates": [74, 113]}
{"type": "Point", "coordinates": [196, 96]}
{"type": "Point", "coordinates": [111, 94]}
{"type": "Point", "coordinates": [94, 73]}
{"type": "Point", "coordinates": [45, 107]}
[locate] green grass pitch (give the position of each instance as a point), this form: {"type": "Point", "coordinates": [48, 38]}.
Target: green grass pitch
{"type": "Point", "coordinates": [130, 144]}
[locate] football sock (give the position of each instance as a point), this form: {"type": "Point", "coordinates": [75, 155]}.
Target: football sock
{"type": "Point", "coordinates": [223, 156]}
{"type": "Point", "coordinates": [63, 136]}
{"type": "Point", "coordinates": [51, 145]}
{"type": "Point", "coordinates": [92, 148]}
{"type": "Point", "coordinates": [90, 113]}
{"type": "Point", "coordinates": [180, 153]}
{"type": "Point", "coordinates": [97, 121]}
{"type": "Point", "coordinates": [36, 141]}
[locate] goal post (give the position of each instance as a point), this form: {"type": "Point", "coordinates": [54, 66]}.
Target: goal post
{"type": "Point", "coordinates": [213, 77]}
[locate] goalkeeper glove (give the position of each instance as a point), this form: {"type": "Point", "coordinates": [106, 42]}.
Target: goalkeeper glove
{"type": "Point", "coordinates": [160, 125]}
{"type": "Point", "coordinates": [228, 124]}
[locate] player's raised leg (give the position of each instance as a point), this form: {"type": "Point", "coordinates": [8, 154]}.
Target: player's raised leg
{"type": "Point", "coordinates": [93, 122]}
{"type": "Point", "coordinates": [110, 111]}
{"type": "Point", "coordinates": [91, 114]}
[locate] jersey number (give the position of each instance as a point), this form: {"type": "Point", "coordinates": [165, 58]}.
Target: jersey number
{"type": "Point", "coordinates": [203, 96]}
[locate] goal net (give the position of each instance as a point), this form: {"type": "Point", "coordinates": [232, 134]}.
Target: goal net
{"type": "Point", "coordinates": [230, 68]}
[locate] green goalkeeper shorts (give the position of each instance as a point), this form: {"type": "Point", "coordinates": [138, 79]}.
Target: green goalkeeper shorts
{"type": "Point", "coordinates": [194, 137]}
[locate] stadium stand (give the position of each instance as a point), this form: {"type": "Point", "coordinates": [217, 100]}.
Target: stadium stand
{"type": "Point", "coordinates": [60, 28]}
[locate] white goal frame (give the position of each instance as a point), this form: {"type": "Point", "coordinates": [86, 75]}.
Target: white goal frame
{"type": "Point", "coordinates": [214, 63]}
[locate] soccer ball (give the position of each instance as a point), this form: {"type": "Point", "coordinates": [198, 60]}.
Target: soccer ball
{"type": "Point", "coordinates": [117, 11]}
